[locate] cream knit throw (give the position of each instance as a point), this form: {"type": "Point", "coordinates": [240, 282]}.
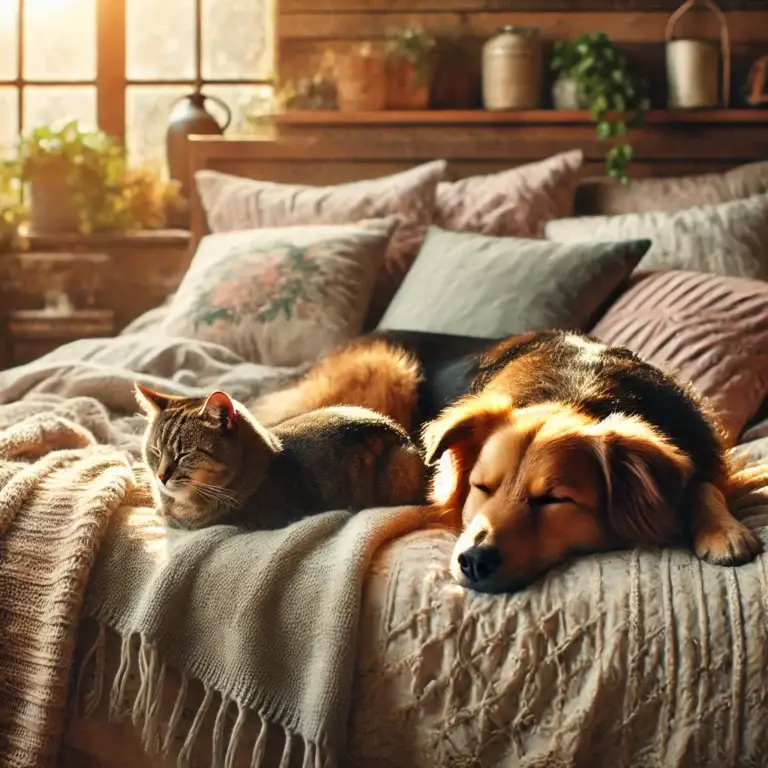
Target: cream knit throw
{"type": "Point", "coordinates": [266, 621]}
{"type": "Point", "coordinates": [57, 492]}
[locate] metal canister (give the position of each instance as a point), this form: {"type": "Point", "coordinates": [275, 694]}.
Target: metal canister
{"type": "Point", "coordinates": [512, 71]}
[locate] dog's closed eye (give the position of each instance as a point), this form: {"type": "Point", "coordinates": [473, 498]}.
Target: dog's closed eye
{"type": "Point", "coordinates": [549, 499]}
{"type": "Point", "coordinates": [484, 489]}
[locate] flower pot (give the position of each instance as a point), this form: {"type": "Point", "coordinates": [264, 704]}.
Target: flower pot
{"type": "Point", "coordinates": [566, 94]}
{"type": "Point", "coordinates": [51, 208]}
{"type": "Point", "coordinates": [407, 86]}
{"type": "Point", "coordinates": [361, 82]}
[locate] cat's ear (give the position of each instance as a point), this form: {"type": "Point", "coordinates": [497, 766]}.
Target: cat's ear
{"type": "Point", "coordinates": [220, 409]}
{"type": "Point", "coordinates": [152, 402]}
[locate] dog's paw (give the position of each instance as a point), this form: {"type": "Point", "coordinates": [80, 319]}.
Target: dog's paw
{"type": "Point", "coordinates": [730, 544]}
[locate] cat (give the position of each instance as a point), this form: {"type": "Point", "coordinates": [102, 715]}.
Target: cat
{"type": "Point", "coordinates": [212, 462]}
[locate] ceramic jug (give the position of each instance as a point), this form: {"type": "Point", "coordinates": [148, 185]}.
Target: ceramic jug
{"type": "Point", "coordinates": [189, 117]}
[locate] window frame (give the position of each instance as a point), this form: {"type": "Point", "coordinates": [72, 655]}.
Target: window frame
{"type": "Point", "coordinates": [111, 81]}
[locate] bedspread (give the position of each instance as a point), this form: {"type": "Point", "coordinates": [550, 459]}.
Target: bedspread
{"type": "Point", "coordinates": [639, 658]}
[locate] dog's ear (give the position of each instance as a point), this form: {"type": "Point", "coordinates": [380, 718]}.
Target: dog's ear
{"type": "Point", "coordinates": [468, 420]}
{"type": "Point", "coordinates": [219, 410]}
{"type": "Point", "coordinates": [645, 479]}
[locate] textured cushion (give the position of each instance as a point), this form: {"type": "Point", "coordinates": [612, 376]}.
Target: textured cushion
{"type": "Point", "coordinates": [730, 239]}
{"type": "Point", "coordinates": [708, 330]}
{"type": "Point", "coordinates": [235, 203]}
{"type": "Point", "coordinates": [281, 296]}
{"type": "Point", "coordinates": [489, 287]}
{"type": "Point", "coordinates": [606, 197]}
{"type": "Point", "coordinates": [517, 202]}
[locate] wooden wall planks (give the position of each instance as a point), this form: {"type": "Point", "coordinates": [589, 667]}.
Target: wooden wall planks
{"type": "Point", "coordinates": [326, 6]}
{"type": "Point", "coordinates": [308, 28]}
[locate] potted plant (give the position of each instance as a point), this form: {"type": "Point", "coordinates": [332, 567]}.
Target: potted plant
{"type": "Point", "coordinates": [593, 75]}
{"type": "Point", "coordinates": [13, 211]}
{"type": "Point", "coordinates": [361, 80]}
{"type": "Point", "coordinates": [410, 63]}
{"type": "Point", "coordinates": [79, 181]}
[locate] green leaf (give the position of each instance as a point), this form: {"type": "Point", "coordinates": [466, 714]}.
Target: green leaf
{"type": "Point", "coordinates": [604, 130]}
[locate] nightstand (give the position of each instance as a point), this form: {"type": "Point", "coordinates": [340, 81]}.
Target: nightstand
{"type": "Point", "coordinates": [33, 332]}
{"type": "Point", "coordinates": [102, 283]}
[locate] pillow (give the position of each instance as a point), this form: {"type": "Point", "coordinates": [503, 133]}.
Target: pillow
{"type": "Point", "coordinates": [710, 331]}
{"type": "Point", "coordinates": [517, 202]}
{"type": "Point", "coordinates": [235, 203]}
{"type": "Point", "coordinates": [489, 287]}
{"type": "Point", "coordinates": [730, 239]}
{"type": "Point", "coordinates": [607, 197]}
{"type": "Point", "coordinates": [280, 296]}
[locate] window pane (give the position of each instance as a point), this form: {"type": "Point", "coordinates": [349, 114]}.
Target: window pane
{"type": "Point", "coordinates": [49, 104]}
{"type": "Point", "coordinates": [242, 100]}
{"type": "Point", "coordinates": [9, 126]}
{"type": "Point", "coordinates": [237, 39]}
{"type": "Point", "coordinates": [160, 39]}
{"type": "Point", "coordinates": [8, 41]}
{"type": "Point", "coordinates": [60, 40]}
{"type": "Point", "coordinates": [147, 111]}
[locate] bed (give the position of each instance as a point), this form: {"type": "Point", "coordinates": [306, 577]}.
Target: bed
{"type": "Point", "coordinates": [633, 658]}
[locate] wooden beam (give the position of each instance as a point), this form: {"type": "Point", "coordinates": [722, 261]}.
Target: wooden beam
{"type": "Point", "coordinates": [530, 117]}
{"type": "Point", "coordinates": [628, 27]}
{"type": "Point", "coordinates": [341, 6]}
{"type": "Point", "coordinates": [110, 67]}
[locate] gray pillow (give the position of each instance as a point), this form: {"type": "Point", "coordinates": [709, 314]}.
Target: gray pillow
{"type": "Point", "coordinates": [729, 239]}
{"type": "Point", "coordinates": [477, 285]}
{"type": "Point", "coordinates": [672, 193]}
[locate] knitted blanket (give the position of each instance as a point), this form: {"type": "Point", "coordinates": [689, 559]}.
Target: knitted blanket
{"type": "Point", "coordinates": [266, 621]}
{"type": "Point", "coordinates": [58, 489]}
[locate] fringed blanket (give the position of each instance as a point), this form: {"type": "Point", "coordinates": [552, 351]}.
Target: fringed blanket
{"type": "Point", "coordinates": [266, 621]}
{"type": "Point", "coordinates": [58, 490]}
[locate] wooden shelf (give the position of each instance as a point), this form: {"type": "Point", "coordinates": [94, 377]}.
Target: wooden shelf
{"type": "Point", "coordinates": [538, 116]}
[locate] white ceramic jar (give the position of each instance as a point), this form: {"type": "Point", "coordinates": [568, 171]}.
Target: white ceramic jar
{"type": "Point", "coordinates": [512, 71]}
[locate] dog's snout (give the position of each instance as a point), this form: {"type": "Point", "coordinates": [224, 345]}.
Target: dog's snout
{"type": "Point", "coordinates": [478, 563]}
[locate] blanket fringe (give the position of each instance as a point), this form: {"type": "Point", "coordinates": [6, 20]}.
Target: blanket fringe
{"type": "Point", "coordinates": [142, 662]}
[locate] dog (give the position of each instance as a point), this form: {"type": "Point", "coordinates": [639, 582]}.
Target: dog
{"type": "Point", "coordinates": [548, 445]}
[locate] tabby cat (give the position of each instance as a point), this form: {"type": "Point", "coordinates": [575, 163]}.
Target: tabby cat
{"type": "Point", "coordinates": [214, 463]}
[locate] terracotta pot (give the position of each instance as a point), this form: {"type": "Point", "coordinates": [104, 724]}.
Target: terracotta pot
{"type": "Point", "coordinates": [361, 82]}
{"type": "Point", "coordinates": [407, 88]}
{"type": "Point", "coordinates": [51, 209]}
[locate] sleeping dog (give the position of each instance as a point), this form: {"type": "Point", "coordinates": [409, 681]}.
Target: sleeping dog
{"type": "Point", "coordinates": [548, 444]}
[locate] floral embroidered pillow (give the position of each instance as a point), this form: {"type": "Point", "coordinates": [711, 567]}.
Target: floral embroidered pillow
{"type": "Point", "coordinates": [236, 203]}
{"type": "Point", "coordinates": [281, 296]}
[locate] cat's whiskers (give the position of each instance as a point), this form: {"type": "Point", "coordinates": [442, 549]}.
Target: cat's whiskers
{"type": "Point", "coordinates": [215, 493]}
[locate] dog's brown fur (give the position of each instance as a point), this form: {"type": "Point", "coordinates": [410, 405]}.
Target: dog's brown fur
{"type": "Point", "coordinates": [632, 457]}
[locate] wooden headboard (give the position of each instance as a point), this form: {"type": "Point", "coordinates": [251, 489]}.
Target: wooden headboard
{"type": "Point", "coordinates": [331, 148]}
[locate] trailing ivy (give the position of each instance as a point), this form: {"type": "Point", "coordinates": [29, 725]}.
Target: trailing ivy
{"type": "Point", "coordinates": [615, 96]}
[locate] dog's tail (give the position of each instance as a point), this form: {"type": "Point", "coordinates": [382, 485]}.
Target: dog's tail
{"type": "Point", "coordinates": [369, 373]}
{"type": "Point", "coordinates": [747, 486]}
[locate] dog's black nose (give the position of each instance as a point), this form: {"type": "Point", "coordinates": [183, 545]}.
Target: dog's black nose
{"type": "Point", "coordinates": [478, 563]}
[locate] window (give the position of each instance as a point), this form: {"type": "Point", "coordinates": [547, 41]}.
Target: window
{"type": "Point", "coordinates": [122, 64]}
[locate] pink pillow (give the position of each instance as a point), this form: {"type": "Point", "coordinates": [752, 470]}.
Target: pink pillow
{"type": "Point", "coordinates": [709, 330]}
{"type": "Point", "coordinates": [515, 203]}
{"type": "Point", "coordinates": [235, 203]}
